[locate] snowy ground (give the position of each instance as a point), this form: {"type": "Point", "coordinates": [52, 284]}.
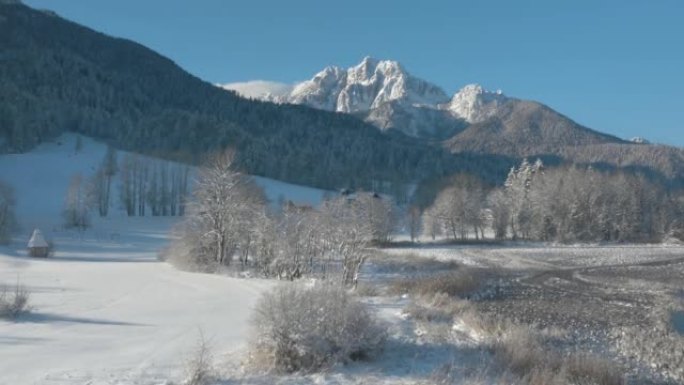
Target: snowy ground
{"type": "Point", "coordinates": [542, 256]}
{"type": "Point", "coordinates": [105, 311]}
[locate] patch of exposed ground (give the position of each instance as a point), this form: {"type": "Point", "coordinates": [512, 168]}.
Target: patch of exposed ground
{"type": "Point", "coordinates": [616, 301]}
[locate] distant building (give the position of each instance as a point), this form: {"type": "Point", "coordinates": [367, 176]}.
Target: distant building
{"type": "Point", "coordinates": [38, 246]}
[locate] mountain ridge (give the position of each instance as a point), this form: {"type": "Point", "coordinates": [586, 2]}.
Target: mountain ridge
{"type": "Point", "coordinates": [385, 94]}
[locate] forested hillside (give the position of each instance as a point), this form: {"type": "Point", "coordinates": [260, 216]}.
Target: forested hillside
{"type": "Point", "coordinates": [524, 128]}
{"type": "Point", "coordinates": [57, 76]}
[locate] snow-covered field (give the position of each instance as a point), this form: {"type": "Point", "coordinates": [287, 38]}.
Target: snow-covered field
{"type": "Point", "coordinates": [104, 309]}
{"type": "Point", "coordinates": [525, 256]}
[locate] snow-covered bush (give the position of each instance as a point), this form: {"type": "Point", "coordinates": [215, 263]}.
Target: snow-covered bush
{"type": "Point", "coordinates": [13, 301]}
{"type": "Point", "coordinates": [199, 369]}
{"type": "Point", "coordinates": [304, 329]}
{"type": "Point", "coordinates": [438, 308]}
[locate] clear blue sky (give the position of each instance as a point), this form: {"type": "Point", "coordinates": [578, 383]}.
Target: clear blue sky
{"type": "Point", "coordinates": [616, 66]}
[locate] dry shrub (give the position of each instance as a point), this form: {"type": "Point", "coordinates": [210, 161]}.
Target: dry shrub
{"type": "Point", "coordinates": [458, 283]}
{"type": "Point", "coordinates": [365, 289]}
{"type": "Point", "coordinates": [436, 308]}
{"type": "Point", "coordinates": [304, 329]}
{"type": "Point", "coordinates": [13, 301]}
{"type": "Point", "coordinates": [586, 369]}
{"type": "Point", "coordinates": [186, 251]}
{"type": "Point", "coordinates": [410, 263]}
{"type": "Point", "coordinates": [521, 352]}
{"type": "Point", "coordinates": [199, 367]}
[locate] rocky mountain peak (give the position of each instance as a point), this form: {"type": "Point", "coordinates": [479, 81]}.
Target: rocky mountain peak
{"type": "Point", "coordinates": [474, 104]}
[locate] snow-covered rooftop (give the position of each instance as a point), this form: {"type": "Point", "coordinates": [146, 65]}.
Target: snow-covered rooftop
{"type": "Point", "coordinates": [37, 240]}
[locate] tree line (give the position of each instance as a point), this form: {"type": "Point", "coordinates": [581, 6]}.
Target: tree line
{"type": "Point", "coordinates": [146, 187]}
{"type": "Point", "coordinates": [563, 204]}
{"type": "Point", "coordinates": [229, 225]}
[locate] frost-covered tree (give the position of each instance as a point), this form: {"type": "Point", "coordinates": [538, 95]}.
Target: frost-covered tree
{"type": "Point", "coordinates": [127, 195]}
{"type": "Point", "coordinates": [580, 204]}
{"type": "Point", "coordinates": [298, 241]}
{"type": "Point", "coordinates": [76, 204]}
{"type": "Point", "coordinates": [153, 186]}
{"type": "Point", "coordinates": [224, 201]}
{"type": "Point", "coordinates": [517, 187]}
{"type": "Point", "coordinates": [414, 222]}
{"type": "Point", "coordinates": [458, 209]}
{"type": "Point", "coordinates": [222, 216]}
{"type": "Point", "coordinates": [347, 233]}
{"type": "Point", "coordinates": [499, 208]}
{"type": "Point", "coordinates": [432, 225]}
{"type": "Point", "coordinates": [380, 214]}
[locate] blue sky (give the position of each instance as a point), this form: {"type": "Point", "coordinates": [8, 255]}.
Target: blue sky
{"type": "Point", "coordinates": [616, 66]}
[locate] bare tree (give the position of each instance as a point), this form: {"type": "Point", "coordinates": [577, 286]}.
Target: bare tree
{"type": "Point", "coordinates": [298, 239]}
{"type": "Point", "coordinates": [500, 211]}
{"type": "Point", "coordinates": [127, 193]}
{"type": "Point", "coordinates": [108, 169]}
{"type": "Point", "coordinates": [224, 201]}
{"type": "Point", "coordinates": [347, 233]}
{"type": "Point", "coordinates": [432, 225]}
{"type": "Point", "coordinates": [76, 205]}
{"type": "Point", "coordinates": [380, 214]}
{"type": "Point", "coordinates": [414, 222]}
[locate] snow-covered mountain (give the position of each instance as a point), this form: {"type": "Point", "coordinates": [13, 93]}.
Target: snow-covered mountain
{"type": "Point", "coordinates": [361, 88]}
{"type": "Point", "coordinates": [474, 104]}
{"type": "Point", "coordinates": [383, 93]}
{"type": "Point", "coordinates": [260, 89]}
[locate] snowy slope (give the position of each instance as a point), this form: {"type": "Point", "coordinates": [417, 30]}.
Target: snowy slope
{"type": "Point", "coordinates": [105, 311]}
{"type": "Point", "coordinates": [41, 178]}
{"type": "Point", "coordinates": [259, 89]}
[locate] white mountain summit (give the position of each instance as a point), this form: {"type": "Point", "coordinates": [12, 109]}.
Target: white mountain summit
{"type": "Point", "coordinates": [383, 93]}
{"type": "Point", "coordinates": [474, 104]}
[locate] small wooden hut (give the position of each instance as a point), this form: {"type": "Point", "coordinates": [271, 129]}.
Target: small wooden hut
{"type": "Point", "coordinates": [38, 246]}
